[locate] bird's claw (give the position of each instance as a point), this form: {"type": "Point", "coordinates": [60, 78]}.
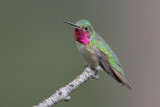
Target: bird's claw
{"type": "Point", "coordinates": [96, 76]}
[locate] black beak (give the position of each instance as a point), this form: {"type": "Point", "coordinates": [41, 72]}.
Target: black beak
{"type": "Point", "coordinates": [71, 24]}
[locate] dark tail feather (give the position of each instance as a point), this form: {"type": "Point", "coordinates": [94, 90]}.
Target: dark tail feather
{"type": "Point", "coordinates": [121, 79]}
{"type": "Point", "coordinates": [128, 86]}
{"type": "Point", "coordinates": [111, 71]}
{"type": "Point", "coordinates": [116, 75]}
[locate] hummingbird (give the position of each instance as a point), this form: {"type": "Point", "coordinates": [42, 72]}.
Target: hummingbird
{"type": "Point", "coordinates": [96, 53]}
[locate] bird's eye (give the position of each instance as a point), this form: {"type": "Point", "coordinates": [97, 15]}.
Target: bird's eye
{"type": "Point", "coordinates": [86, 28]}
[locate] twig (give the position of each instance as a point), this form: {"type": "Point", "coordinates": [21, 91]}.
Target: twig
{"type": "Point", "coordinates": [63, 93]}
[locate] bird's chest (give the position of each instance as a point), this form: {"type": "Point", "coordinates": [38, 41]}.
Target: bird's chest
{"type": "Point", "coordinates": [88, 52]}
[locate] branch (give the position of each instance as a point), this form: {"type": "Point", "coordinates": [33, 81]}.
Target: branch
{"type": "Point", "coordinates": [63, 93]}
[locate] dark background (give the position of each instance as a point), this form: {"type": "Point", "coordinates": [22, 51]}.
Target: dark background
{"type": "Point", "coordinates": [38, 54]}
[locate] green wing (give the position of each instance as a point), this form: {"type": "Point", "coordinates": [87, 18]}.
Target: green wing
{"type": "Point", "coordinates": [109, 60]}
{"type": "Point", "coordinates": [106, 50]}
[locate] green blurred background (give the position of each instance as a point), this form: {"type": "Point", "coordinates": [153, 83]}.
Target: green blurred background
{"type": "Point", "coordinates": [38, 54]}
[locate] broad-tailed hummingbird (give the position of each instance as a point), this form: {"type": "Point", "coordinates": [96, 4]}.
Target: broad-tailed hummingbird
{"type": "Point", "coordinates": [96, 52]}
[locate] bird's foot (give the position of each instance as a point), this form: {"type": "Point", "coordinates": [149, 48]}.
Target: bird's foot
{"type": "Point", "coordinates": [88, 69]}
{"type": "Point", "coordinates": [96, 76]}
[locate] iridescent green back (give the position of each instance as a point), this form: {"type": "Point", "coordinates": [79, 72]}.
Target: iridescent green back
{"type": "Point", "coordinates": [104, 48]}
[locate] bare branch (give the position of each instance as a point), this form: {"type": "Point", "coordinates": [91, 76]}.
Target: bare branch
{"type": "Point", "coordinates": [63, 93]}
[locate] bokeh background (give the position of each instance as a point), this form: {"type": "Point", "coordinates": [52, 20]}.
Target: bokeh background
{"type": "Point", "coordinates": [38, 54]}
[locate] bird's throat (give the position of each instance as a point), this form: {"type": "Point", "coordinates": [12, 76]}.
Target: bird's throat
{"type": "Point", "coordinates": [81, 36]}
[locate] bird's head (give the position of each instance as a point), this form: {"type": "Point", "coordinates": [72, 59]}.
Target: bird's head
{"type": "Point", "coordinates": [83, 31]}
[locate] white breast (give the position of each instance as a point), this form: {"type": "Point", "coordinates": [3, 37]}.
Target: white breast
{"type": "Point", "coordinates": [89, 59]}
